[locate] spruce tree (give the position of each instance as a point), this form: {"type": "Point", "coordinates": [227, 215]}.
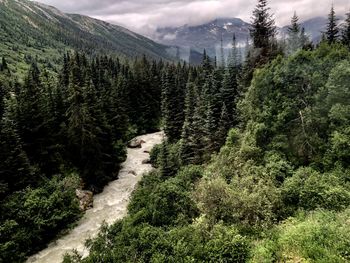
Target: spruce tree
{"type": "Point", "coordinates": [294, 35]}
{"type": "Point", "coordinates": [224, 126]}
{"type": "Point", "coordinates": [15, 169]}
{"type": "Point", "coordinates": [263, 28]}
{"type": "Point", "coordinates": [187, 148]}
{"type": "Point", "coordinates": [32, 118]}
{"type": "Point", "coordinates": [332, 27]}
{"type": "Point", "coordinates": [264, 46]}
{"type": "Point", "coordinates": [172, 103]}
{"type": "Point", "coordinates": [305, 40]}
{"type": "Point", "coordinates": [210, 128]}
{"type": "Point", "coordinates": [234, 59]}
{"type": "Point", "coordinates": [222, 62]}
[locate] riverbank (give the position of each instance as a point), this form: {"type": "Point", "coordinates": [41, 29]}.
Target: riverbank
{"type": "Point", "coordinates": [109, 206]}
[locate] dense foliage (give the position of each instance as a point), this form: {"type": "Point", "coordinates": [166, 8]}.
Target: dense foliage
{"type": "Point", "coordinates": [273, 183]}
{"type": "Point", "coordinates": [254, 168]}
{"type": "Point", "coordinates": [31, 31]}
{"type": "Point", "coordinates": [51, 128]}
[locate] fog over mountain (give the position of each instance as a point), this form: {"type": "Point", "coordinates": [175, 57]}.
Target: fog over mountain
{"type": "Point", "coordinates": [148, 15]}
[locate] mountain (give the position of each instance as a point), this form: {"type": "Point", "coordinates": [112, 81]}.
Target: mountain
{"type": "Point", "coordinates": [206, 36]}
{"type": "Point", "coordinates": [33, 30]}
{"type": "Point", "coordinates": [313, 28]}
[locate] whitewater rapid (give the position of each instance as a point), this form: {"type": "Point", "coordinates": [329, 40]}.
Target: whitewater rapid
{"type": "Point", "coordinates": [109, 206]}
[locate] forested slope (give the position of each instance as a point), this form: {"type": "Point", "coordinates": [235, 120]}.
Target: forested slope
{"type": "Point", "coordinates": [61, 134]}
{"type": "Point", "coordinates": [256, 169]}
{"type": "Point", "coordinates": [278, 190]}
{"type": "Point", "coordinates": [30, 31]}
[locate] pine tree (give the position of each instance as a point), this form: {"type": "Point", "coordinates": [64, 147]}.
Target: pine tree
{"type": "Point", "coordinates": [294, 35]}
{"type": "Point", "coordinates": [234, 59]}
{"type": "Point", "coordinates": [305, 40]}
{"type": "Point", "coordinates": [210, 128]}
{"type": "Point", "coordinates": [224, 126]}
{"type": "Point", "coordinates": [332, 27]}
{"type": "Point", "coordinates": [172, 103]}
{"type": "Point", "coordinates": [206, 64]}
{"type": "Point", "coordinates": [265, 46]}
{"type": "Point", "coordinates": [222, 62]}
{"type": "Point", "coordinates": [346, 31]}
{"type": "Point", "coordinates": [263, 28]}
{"type": "Point", "coordinates": [187, 148]}
{"type": "Point", "coordinates": [31, 117]}
{"type": "Point", "coordinates": [15, 169]}
{"type": "Point", "coordinates": [197, 132]}
{"type": "Point", "coordinates": [83, 147]}
{"type": "Point", "coordinates": [229, 91]}
{"type": "Point", "coordinates": [166, 166]}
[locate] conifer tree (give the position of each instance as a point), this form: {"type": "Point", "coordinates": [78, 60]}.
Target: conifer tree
{"type": "Point", "coordinates": [210, 130]}
{"type": "Point", "coordinates": [263, 28]}
{"type": "Point", "coordinates": [332, 27]}
{"type": "Point", "coordinates": [234, 59]}
{"type": "Point", "coordinates": [15, 169]}
{"type": "Point", "coordinates": [229, 91]}
{"type": "Point", "coordinates": [31, 117]}
{"type": "Point", "coordinates": [264, 43]}
{"type": "Point", "coordinates": [172, 108]}
{"type": "Point", "coordinates": [222, 62]}
{"type": "Point", "coordinates": [305, 40]}
{"type": "Point", "coordinates": [187, 148]}
{"type": "Point", "coordinates": [206, 64]}
{"type": "Point", "coordinates": [224, 126]}
{"type": "Point", "coordinates": [294, 41]}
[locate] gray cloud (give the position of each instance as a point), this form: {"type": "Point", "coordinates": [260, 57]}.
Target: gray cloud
{"type": "Point", "coordinates": [145, 15]}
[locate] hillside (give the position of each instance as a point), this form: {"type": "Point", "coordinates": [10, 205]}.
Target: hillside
{"type": "Point", "coordinates": [33, 30]}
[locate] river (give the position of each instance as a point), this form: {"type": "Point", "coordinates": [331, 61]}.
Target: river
{"type": "Point", "coordinates": [109, 206]}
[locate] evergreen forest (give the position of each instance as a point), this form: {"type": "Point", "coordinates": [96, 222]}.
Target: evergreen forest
{"type": "Point", "coordinates": [255, 166]}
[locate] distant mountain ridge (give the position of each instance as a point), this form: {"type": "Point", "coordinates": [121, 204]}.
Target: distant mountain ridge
{"type": "Point", "coordinates": [208, 35]}
{"type": "Point", "coordinates": [31, 29]}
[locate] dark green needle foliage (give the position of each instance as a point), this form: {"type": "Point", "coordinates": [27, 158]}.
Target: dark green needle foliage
{"type": "Point", "coordinates": [254, 167]}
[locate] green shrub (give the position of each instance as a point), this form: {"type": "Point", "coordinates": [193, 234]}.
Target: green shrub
{"type": "Point", "coordinates": [32, 217]}
{"type": "Point", "coordinates": [319, 236]}
{"type": "Point", "coordinates": [310, 189]}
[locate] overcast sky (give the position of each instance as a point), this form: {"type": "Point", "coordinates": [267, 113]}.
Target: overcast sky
{"type": "Point", "coordinates": [144, 16]}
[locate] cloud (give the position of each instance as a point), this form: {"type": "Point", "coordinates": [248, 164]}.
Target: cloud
{"type": "Point", "coordinates": [145, 16]}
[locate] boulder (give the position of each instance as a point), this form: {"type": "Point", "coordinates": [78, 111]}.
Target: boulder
{"type": "Point", "coordinates": [86, 199]}
{"type": "Point", "coordinates": [135, 143]}
{"type": "Point", "coordinates": [132, 172]}
{"type": "Point", "coordinates": [146, 161]}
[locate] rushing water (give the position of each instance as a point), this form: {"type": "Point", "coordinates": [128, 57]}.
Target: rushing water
{"type": "Point", "coordinates": [109, 206]}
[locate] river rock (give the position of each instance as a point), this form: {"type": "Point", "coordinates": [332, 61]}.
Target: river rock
{"type": "Point", "coordinates": [146, 161]}
{"type": "Point", "coordinates": [135, 143]}
{"type": "Point", "coordinates": [86, 199]}
{"type": "Point", "coordinates": [132, 172]}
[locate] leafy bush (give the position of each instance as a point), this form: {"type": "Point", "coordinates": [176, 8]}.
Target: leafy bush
{"type": "Point", "coordinates": [309, 189]}
{"type": "Point", "coordinates": [168, 202]}
{"type": "Point", "coordinates": [32, 217]}
{"type": "Point", "coordinates": [320, 236]}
